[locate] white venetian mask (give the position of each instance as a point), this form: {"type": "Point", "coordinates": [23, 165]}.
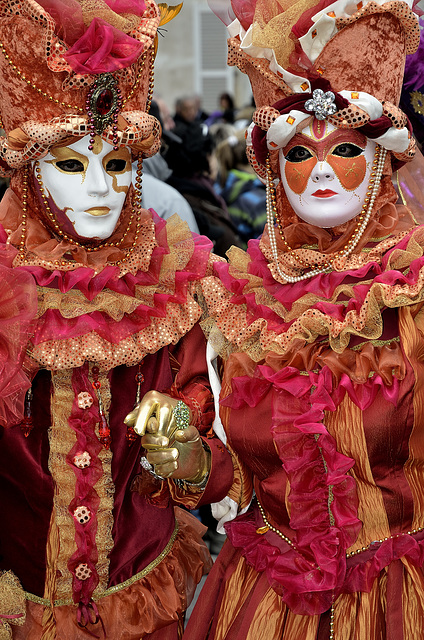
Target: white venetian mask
{"type": "Point", "coordinates": [325, 173]}
{"type": "Point", "coordinates": [86, 189]}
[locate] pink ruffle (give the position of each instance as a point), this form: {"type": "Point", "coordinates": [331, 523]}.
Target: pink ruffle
{"type": "Point", "coordinates": [307, 575]}
{"type": "Point", "coordinates": [294, 577]}
{"type": "Point", "coordinates": [322, 285]}
{"type": "Point", "coordinates": [52, 325]}
{"type": "Point", "coordinates": [323, 514]}
{"type": "Point", "coordinates": [91, 284]}
{"type": "Point", "coordinates": [18, 307]}
{"type": "Point", "coordinates": [250, 390]}
{"type": "Point", "coordinates": [102, 49]}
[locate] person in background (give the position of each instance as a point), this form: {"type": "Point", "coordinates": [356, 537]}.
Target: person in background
{"type": "Point", "coordinates": [225, 113]}
{"type": "Point", "coordinates": [186, 110]}
{"type": "Point", "coordinates": [201, 114]}
{"type": "Point", "coordinates": [165, 113]}
{"type": "Point", "coordinates": [193, 169]}
{"type": "Point", "coordinates": [156, 193]}
{"type": "Point", "coordinates": [243, 192]}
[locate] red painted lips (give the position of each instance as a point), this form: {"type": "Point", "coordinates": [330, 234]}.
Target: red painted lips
{"type": "Point", "coordinates": [324, 193]}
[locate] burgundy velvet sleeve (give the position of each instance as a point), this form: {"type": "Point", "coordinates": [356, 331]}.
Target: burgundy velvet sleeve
{"type": "Point", "coordinates": [221, 473]}
{"type": "Point", "coordinates": [191, 382]}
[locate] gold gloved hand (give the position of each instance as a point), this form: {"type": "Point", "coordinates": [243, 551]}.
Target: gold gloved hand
{"type": "Point", "coordinates": [157, 405]}
{"type": "Point", "coordinates": [181, 457]}
{"type": "Point", "coordinates": [174, 452]}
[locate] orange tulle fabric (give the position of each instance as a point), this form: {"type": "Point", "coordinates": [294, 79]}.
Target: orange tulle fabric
{"type": "Point", "coordinates": [151, 603]}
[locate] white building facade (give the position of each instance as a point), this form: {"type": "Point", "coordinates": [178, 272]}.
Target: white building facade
{"type": "Point", "coordinates": [192, 59]}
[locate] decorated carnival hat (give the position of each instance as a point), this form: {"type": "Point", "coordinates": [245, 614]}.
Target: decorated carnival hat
{"type": "Point", "coordinates": [69, 68]}
{"type": "Point", "coordinates": [340, 62]}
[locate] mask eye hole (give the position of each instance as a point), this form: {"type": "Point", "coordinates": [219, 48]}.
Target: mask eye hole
{"type": "Point", "coordinates": [298, 154]}
{"type": "Point", "coordinates": [70, 166]}
{"type": "Point", "coordinates": [116, 165]}
{"type": "Point", "coordinates": [347, 150]}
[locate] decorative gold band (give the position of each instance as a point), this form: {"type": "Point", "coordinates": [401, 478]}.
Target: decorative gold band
{"type": "Point", "coordinates": [118, 587]}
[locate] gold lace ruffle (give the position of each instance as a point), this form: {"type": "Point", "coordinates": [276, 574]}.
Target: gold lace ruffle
{"type": "Point", "coordinates": [73, 352]}
{"type": "Point", "coordinates": [61, 542]}
{"type": "Point", "coordinates": [12, 603]}
{"type": "Point", "coordinates": [161, 331]}
{"type": "Point", "coordinates": [230, 329]}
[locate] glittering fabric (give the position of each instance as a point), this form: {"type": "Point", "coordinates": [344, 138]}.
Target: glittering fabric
{"type": "Point", "coordinates": [280, 319]}
{"type": "Point", "coordinates": [39, 83]}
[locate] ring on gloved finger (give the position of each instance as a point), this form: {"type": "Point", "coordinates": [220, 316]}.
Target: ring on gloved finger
{"type": "Point", "coordinates": [182, 415]}
{"type": "Point", "coordinates": [150, 468]}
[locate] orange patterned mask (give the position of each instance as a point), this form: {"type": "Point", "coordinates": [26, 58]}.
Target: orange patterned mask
{"type": "Point", "coordinates": [325, 173]}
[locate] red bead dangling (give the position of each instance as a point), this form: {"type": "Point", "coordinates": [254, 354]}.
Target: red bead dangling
{"type": "Point", "coordinates": [131, 435]}
{"type": "Point", "coordinates": [104, 429]}
{"type": "Point", "coordinates": [27, 424]}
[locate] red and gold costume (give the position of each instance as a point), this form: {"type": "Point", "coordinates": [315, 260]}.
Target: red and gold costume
{"type": "Point", "coordinates": [322, 397]}
{"type": "Point", "coordinates": [90, 544]}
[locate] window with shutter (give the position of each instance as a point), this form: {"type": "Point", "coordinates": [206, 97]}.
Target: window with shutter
{"type": "Point", "coordinates": [212, 74]}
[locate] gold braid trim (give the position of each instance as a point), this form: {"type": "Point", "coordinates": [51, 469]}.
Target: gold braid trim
{"type": "Point", "coordinates": [62, 527]}
{"type": "Point", "coordinates": [230, 329]}
{"type": "Point", "coordinates": [118, 587]}
{"type": "Point", "coordinates": [105, 490]}
{"type": "Point", "coordinates": [12, 603]}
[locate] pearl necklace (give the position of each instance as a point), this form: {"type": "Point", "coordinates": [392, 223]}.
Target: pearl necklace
{"type": "Point", "coordinates": [363, 219]}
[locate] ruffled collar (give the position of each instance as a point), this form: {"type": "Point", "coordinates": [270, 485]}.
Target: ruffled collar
{"type": "Point", "coordinates": [251, 311]}
{"type": "Point", "coordinates": [42, 249]}
{"type": "Point", "coordinates": [91, 308]}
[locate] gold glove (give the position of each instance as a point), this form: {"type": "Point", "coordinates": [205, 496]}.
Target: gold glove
{"type": "Point", "coordinates": [157, 405]}
{"type": "Point", "coordinates": [174, 452]}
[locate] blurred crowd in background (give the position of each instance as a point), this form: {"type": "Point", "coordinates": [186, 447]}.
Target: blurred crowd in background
{"type": "Point", "coordinates": [203, 164]}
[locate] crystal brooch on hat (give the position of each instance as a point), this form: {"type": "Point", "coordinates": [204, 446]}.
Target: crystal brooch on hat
{"type": "Point", "coordinates": [323, 104]}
